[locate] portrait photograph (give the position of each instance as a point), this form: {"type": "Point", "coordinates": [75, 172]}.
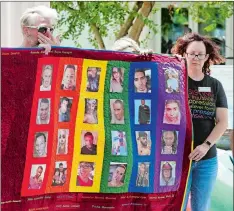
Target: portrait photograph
{"type": "Point", "coordinates": [119, 144]}
{"type": "Point", "coordinates": [69, 77]}
{"type": "Point", "coordinates": [142, 80]}
{"type": "Point", "coordinates": [36, 176]}
{"type": "Point", "coordinates": [89, 141]}
{"type": "Point", "coordinates": [62, 143]}
{"type": "Point", "coordinates": [40, 144]}
{"type": "Point", "coordinates": [172, 112]}
{"type": "Point", "coordinates": [171, 76]}
{"type": "Point", "coordinates": [93, 77]}
{"type": "Point", "coordinates": [167, 173]}
{"type": "Point", "coordinates": [142, 179]}
{"type": "Point", "coordinates": [90, 115]}
{"type": "Point", "coordinates": [169, 142]}
{"type": "Point", "coordinates": [46, 77]}
{"type": "Point", "coordinates": [43, 111]}
{"type": "Point", "coordinates": [65, 105]}
{"type": "Point", "coordinates": [60, 173]}
{"type": "Point", "coordinates": [117, 78]}
{"type": "Point", "coordinates": [117, 173]}
{"type": "Point", "coordinates": [143, 140]}
{"type": "Point", "coordinates": [85, 174]}
{"type": "Point", "coordinates": [117, 111]}
{"type": "Point", "coordinates": [142, 111]}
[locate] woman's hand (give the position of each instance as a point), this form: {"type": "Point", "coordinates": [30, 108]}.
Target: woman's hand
{"type": "Point", "coordinates": [47, 48]}
{"type": "Point", "coordinates": [146, 52]}
{"type": "Point", "coordinates": [199, 152]}
{"type": "Point", "coordinates": [48, 40]}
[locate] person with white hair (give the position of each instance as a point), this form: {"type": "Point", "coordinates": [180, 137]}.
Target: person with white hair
{"type": "Point", "coordinates": [37, 25]}
{"type": "Point", "coordinates": [129, 45]}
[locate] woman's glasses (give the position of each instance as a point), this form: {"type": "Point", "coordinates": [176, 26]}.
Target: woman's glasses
{"type": "Point", "coordinates": [199, 56]}
{"type": "Point", "coordinates": [41, 29]}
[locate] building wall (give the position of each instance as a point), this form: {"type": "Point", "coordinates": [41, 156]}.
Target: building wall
{"type": "Point", "coordinates": [11, 12]}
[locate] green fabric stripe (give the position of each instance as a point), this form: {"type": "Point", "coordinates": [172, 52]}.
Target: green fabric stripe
{"type": "Point", "coordinates": [108, 157]}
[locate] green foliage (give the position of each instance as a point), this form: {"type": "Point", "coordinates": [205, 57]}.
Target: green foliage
{"type": "Point", "coordinates": [211, 13]}
{"type": "Point", "coordinates": [107, 17]}
{"type": "Point", "coordinates": [75, 16]}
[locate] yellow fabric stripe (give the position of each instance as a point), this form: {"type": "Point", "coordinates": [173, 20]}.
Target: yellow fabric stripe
{"type": "Point", "coordinates": [99, 128]}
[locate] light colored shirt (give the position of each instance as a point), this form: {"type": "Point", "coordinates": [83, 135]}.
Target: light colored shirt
{"type": "Point", "coordinates": [115, 86]}
{"type": "Point", "coordinates": [42, 88]}
{"type": "Point", "coordinates": [170, 182]}
{"type": "Point", "coordinates": [39, 120]}
{"type": "Point", "coordinates": [116, 121]}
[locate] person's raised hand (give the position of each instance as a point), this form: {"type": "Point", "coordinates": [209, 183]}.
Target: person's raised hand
{"type": "Point", "coordinates": [48, 40]}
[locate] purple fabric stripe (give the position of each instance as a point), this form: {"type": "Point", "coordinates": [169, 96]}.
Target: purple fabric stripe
{"type": "Point", "coordinates": [178, 158]}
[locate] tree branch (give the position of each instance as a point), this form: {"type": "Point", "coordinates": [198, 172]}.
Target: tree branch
{"type": "Point", "coordinates": [138, 25]}
{"type": "Point", "coordinates": [126, 26]}
{"type": "Point", "coordinates": [97, 36]}
{"type": "Point", "coordinates": [94, 28]}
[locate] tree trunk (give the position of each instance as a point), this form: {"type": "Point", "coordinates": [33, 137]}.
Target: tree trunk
{"type": "Point", "coordinates": [126, 26]}
{"type": "Point", "coordinates": [94, 28]}
{"type": "Point", "coordinates": [98, 36]}
{"type": "Point", "coordinates": [138, 25]}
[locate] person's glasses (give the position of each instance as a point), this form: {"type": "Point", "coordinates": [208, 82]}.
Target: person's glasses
{"type": "Point", "coordinates": [199, 56]}
{"type": "Point", "coordinates": [41, 29]}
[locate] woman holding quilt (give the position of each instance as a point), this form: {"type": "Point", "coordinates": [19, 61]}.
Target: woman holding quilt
{"type": "Point", "coordinates": [209, 121]}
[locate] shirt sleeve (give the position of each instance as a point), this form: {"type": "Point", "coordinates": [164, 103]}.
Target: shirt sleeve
{"type": "Point", "coordinates": [221, 101]}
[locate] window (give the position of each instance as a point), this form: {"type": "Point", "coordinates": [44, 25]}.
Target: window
{"type": "Point", "coordinates": [174, 23]}
{"type": "Point", "coordinates": [217, 34]}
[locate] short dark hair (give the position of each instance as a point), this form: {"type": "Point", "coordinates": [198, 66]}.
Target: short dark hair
{"type": "Point", "coordinates": [172, 101]}
{"type": "Point", "coordinates": [88, 134]}
{"type": "Point", "coordinates": [61, 164]}
{"type": "Point", "coordinates": [142, 134]}
{"type": "Point", "coordinates": [120, 102]}
{"type": "Point", "coordinates": [65, 99]}
{"type": "Point", "coordinates": [39, 135]}
{"type": "Point", "coordinates": [44, 100]}
{"type": "Point", "coordinates": [140, 71]}
{"type": "Point", "coordinates": [70, 66]}
{"type": "Point", "coordinates": [40, 167]}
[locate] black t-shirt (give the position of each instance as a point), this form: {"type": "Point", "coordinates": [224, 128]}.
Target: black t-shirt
{"type": "Point", "coordinates": [92, 151]}
{"type": "Point", "coordinates": [204, 97]}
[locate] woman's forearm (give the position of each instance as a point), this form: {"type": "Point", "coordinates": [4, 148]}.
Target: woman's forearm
{"type": "Point", "coordinates": [217, 132]}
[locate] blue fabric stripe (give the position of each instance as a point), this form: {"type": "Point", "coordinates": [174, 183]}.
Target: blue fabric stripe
{"type": "Point", "coordinates": [153, 96]}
